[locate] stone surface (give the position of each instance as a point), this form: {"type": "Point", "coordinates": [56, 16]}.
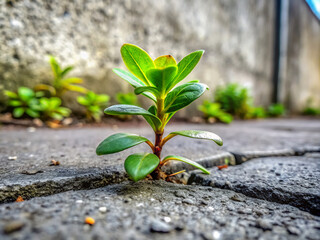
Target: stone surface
{"type": "Point", "coordinates": [156, 210]}
{"type": "Point", "coordinates": [25, 156]}
{"type": "Point", "coordinates": [287, 180]}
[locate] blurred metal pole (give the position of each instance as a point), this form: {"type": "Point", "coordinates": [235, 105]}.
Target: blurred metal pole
{"type": "Point", "coordinates": [280, 49]}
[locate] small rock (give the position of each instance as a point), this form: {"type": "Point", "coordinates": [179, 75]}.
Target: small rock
{"type": "Point", "coordinates": [293, 230]}
{"type": "Point", "coordinates": [167, 219]}
{"type": "Point", "coordinates": [13, 227]}
{"type": "Point", "coordinates": [244, 211]}
{"type": "Point", "coordinates": [31, 172]}
{"type": "Point", "coordinates": [180, 194]}
{"type": "Point", "coordinates": [188, 201]}
{"type": "Point", "coordinates": [236, 198]}
{"type": "Point", "coordinates": [102, 209]}
{"type": "Point", "coordinates": [159, 227]}
{"type": "Point", "coordinates": [31, 129]}
{"type": "Point", "coordinates": [79, 201]}
{"type": "Point", "coordinates": [264, 224]}
{"type": "Point", "coordinates": [12, 158]}
{"type": "Point", "coordinates": [216, 234]}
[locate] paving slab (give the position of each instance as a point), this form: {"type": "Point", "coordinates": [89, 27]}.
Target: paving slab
{"type": "Point", "coordinates": [154, 210]}
{"type": "Point", "coordinates": [26, 154]}
{"type": "Point", "coordinates": [287, 180]}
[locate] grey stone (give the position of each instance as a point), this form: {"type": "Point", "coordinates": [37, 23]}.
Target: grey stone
{"type": "Point", "coordinates": [13, 226]}
{"type": "Point", "coordinates": [160, 227]}
{"type": "Point", "coordinates": [64, 219]}
{"type": "Point", "coordinates": [294, 181]}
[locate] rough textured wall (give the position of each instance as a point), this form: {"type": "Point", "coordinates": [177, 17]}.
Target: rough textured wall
{"type": "Point", "coordinates": [302, 80]}
{"type": "Point", "coordinates": [237, 36]}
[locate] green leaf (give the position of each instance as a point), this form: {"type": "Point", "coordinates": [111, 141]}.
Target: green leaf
{"type": "Point", "coordinates": [200, 135]}
{"type": "Point", "coordinates": [162, 78]}
{"type": "Point", "coordinates": [137, 61]}
{"type": "Point", "coordinates": [55, 67]}
{"type": "Point", "coordinates": [32, 113]}
{"type": "Point", "coordinates": [133, 81]}
{"type": "Point", "coordinates": [10, 94]}
{"type": "Point", "coordinates": [25, 93]}
{"type": "Point", "coordinates": [83, 101]}
{"type": "Point", "coordinates": [183, 95]}
{"type": "Point", "coordinates": [15, 103]}
{"type": "Point", "coordinates": [152, 123]}
{"type": "Point", "coordinates": [119, 142]}
{"type": "Point", "coordinates": [185, 160]}
{"type": "Point", "coordinates": [18, 112]}
{"type": "Point", "coordinates": [125, 109]}
{"type": "Point", "coordinates": [165, 61]}
{"type": "Point", "coordinates": [67, 81]}
{"type": "Point", "coordinates": [64, 111]}
{"type": "Point", "coordinates": [65, 71]}
{"type": "Point", "coordinates": [187, 64]}
{"type": "Point", "coordinates": [144, 89]}
{"type": "Point", "coordinates": [139, 165]}
{"type": "Point", "coordinates": [76, 88]}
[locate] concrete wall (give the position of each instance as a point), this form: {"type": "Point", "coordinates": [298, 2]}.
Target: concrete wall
{"type": "Point", "coordinates": [301, 81]}
{"type": "Point", "coordinates": [238, 37]}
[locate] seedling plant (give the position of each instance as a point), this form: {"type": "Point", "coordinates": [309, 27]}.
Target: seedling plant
{"type": "Point", "coordinates": [158, 81]}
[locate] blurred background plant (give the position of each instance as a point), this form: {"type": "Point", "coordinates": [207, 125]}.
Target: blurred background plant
{"type": "Point", "coordinates": [276, 110]}
{"type": "Point", "coordinates": [213, 112]}
{"type": "Point", "coordinates": [94, 105]}
{"type": "Point", "coordinates": [126, 98]}
{"type": "Point", "coordinates": [51, 109]}
{"type": "Point", "coordinates": [233, 99]}
{"type": "Point", "coordinates": [310, 110]}
{"type": "Point", "coordinates": [24, 102]}
{"type": "Point", "coordinates": [60, 84]}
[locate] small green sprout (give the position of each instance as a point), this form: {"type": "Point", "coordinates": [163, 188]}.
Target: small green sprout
{"type": "Point", "coordinates": [213, 111]}
{"type": "Point", "coordinates": [51, 109]}
{"type": "Point", "coordinates": [93, 103]}
{"type": "Point", "coordinates": [25, 101]}
{"type": "Point", "coordinates": [157, 80]}
{"type": "Point", "coordinates": [60, 83]}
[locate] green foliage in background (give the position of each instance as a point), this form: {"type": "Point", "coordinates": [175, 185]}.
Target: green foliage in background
{"type": "Point", "coordinates": [127, 98]}
{"type": "Point", "coordinates": [93, 103]}
{"type": "Point", "coordinates": [51, 109]}
{"type": "Point", "coordinates": [156, 79]}
{"type": "Point", "coordinates": [256, 112]}
{"type": "Point", "coordinates": [213, 111]}
{"type": "Point", "coordinates": [25, 101]}
{"type": "Point", "coordinates": [233, 99]}
{"type": "Point", "coordinates": [276, 110]}
{"type": "Point", "coordinates": [61, 84]}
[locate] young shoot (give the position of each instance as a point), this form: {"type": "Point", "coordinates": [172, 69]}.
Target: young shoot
{"type": "Point", "coordinates": [156, 79]}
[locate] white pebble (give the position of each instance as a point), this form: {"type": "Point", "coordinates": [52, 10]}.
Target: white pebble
{"type": "Point", "coordinates": [167, 219]}
{"type": "Point", "coordinates": [12, 158]}
{"type": "Point", "coordinates": [79, 201]}
{"type": "Point", "coordinates": [31, 129]}
{"type": "Point", "coordinates": [216, 234]}
{"type": "Point", "coordinates": [210, 208]}
{"type": "Point", "coordinates": [102, 209]}
{"type": "Point", "coordinates": [139, 204]}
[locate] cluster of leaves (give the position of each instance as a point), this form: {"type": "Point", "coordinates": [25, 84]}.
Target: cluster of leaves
{"type": "Point", "coordinates": [235, 101]}
{"type": "Point", "coordinates": [93, 104]}
{"type": "Point", "coordinates": [60, 84]}
{"type": "Point", "coordinates": [35, 105]}
{"type": "Point", "coordinates": [212, 111]}
{"type": "Point", "coordinates": [157, 80]}
{"type": "Point", "coordinates": [310, 109]}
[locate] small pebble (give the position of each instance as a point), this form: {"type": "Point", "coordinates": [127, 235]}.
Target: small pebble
{"type": "Point", "coordinates": [102, 209]}
{"type": "Point", "coordinates": [210, 208]}
{"type": "Point", "coordinates": [216, 234]}
{"type": "Point", "coordinates": [167, 219]}
{"type": "Point", "coordinates": [31, 129]}
{"type": "Point", "coordinates": [13, 227]}
{"type": "Point", "coordinates": [160, 227]}
{"type": "Point", "coordinates": [79, 201]}
{"type": "Point", "coordinates": [12, 158]}
{"type": "Point", "coordinates": [89, 220]}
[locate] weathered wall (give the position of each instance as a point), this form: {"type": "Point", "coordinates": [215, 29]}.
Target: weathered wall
{"type": "Point", "coordinates": [302, 78]}
{"type": "Point", "coordinates": [237, 36]}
